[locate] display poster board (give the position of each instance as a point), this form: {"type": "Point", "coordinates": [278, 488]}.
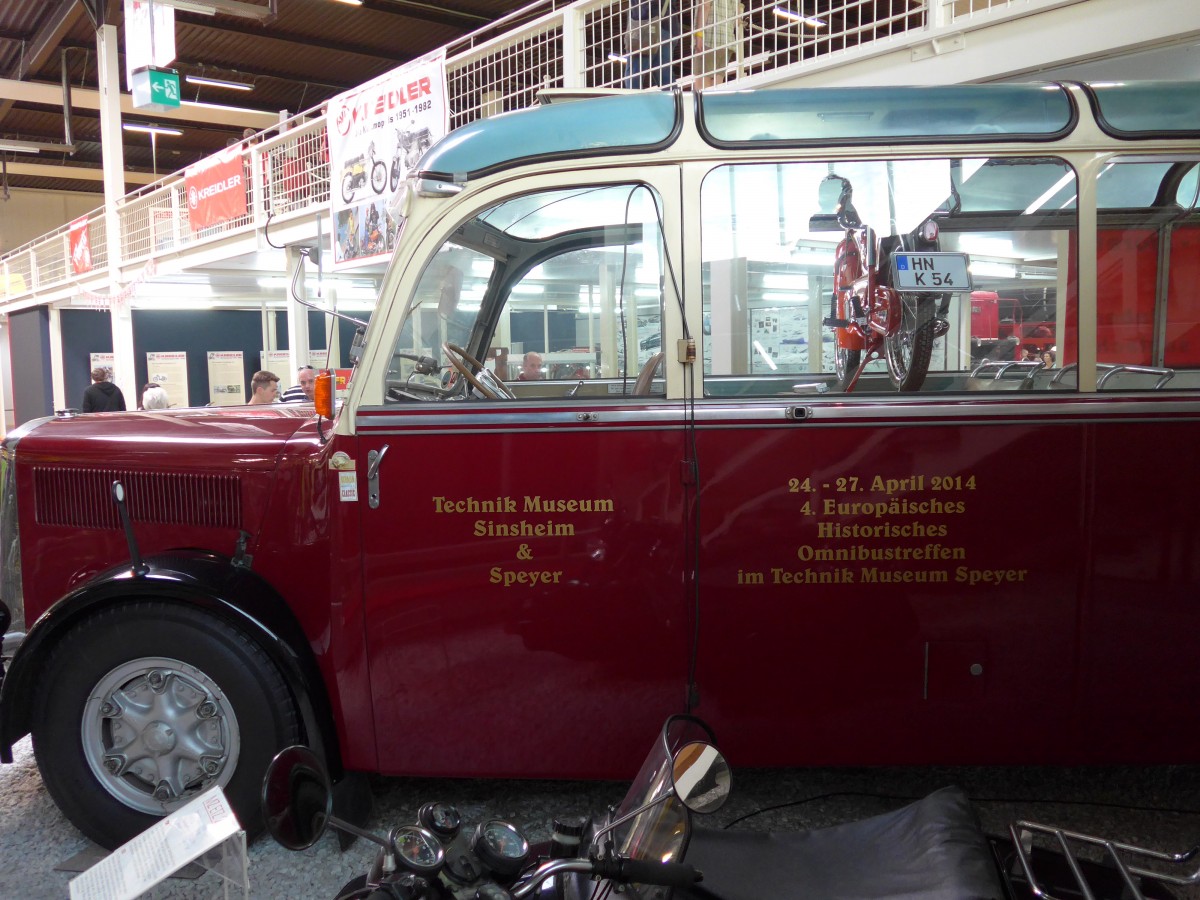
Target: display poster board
{"type": "Point", "coordinates": [279, 362]}
{"type": "Point", "coordinates": [225, 376]}
{"type": "Point", "coordinates": [206, 829]}
{"type": "Point", "coordinates": [341, 383]}
{"type": "Point", "coordinates": [376, 134]}
{"type": "Point", "coordinates": [105, 360]}
{"type": "Point", "coordinates": [169, 369]}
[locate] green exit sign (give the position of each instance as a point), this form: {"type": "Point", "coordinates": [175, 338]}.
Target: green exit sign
{"type": "Point", "coordinates": [155, 89]}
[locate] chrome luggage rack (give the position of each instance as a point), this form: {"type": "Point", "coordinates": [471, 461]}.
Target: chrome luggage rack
{"type": "Point", "coordinates": [1115, 860]}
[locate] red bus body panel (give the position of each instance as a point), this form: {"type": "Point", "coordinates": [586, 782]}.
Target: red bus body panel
{"type": "Point", "coordinates": [1049, 634]}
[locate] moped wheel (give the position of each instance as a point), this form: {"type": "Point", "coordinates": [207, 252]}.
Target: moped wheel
{"type": "Point", "coordinates": [347, 189]}
{"type": "Point", "coordinates": [394, 180]}
{"type": "Point", "coordinates": [144, 706]}
{"type": "Point", "coordinates": [910, 349]}
{"type": "Point", "coordinates": [845, 364]}
{"type": "Point", "coordinates": [379, 177]}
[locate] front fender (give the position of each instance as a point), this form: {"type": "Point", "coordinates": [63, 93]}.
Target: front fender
{"type": "Point", "coordinates": [195, 578]}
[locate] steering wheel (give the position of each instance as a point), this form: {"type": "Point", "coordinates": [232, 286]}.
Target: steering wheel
{"type": "Point", "coordinates": [482, 379]}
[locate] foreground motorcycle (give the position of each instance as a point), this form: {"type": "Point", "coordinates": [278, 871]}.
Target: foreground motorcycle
{"type": "Point", "coordinates": [871, 312]}
{"type": "Point", "coordinates": [647, 848]}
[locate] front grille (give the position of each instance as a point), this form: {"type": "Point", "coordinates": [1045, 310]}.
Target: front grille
{"type": "Point", "coordinates": [82, 498]}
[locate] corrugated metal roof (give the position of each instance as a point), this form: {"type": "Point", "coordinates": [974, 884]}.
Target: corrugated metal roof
{"type": "Point", "coordinates": [311, 51]}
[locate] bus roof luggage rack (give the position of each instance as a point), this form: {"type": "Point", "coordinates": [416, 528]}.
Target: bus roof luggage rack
{"type": "Point", "coordinates": [1118, 863]}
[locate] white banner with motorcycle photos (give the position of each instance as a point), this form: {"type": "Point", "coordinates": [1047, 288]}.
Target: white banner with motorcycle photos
{"type": "Point", "coordinates": [377, 133]}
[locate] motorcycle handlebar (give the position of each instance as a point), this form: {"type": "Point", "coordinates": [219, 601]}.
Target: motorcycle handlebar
{"type": "Point", "coordinates": [641, 871]}
{"type": "Point", "coordinates": [624, 870]}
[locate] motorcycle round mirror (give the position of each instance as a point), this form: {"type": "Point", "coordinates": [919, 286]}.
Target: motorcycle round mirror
{"type": "Point", "coordinates": [830, 192]}
{"type": "Point", "coordinates": [297, 798]}
{"type": "Point", "coordinates": [701, 777]}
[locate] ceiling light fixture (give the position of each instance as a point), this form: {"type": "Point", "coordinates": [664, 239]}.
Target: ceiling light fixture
{"type": "Point", "coordinates": [218, 82]}
{"type": "Point", "coordinates": [186, 6]}
{"type": "Point", "coordinates": [784, 13]}
{"type": "Point", "coordinates": [152, 129]}
{"type": "Point", "coordinates": [19, 147]}
{"type": "Point", "coordinates": [225, 7]}
{"type": "Point", "coordinates": [351, 2]}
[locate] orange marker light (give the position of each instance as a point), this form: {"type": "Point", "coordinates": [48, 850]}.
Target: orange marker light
{"type": "Point", "coordinates": [323, 394]}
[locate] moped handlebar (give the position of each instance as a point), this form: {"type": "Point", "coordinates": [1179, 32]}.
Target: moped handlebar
{"type": "Point", "coordinates": [636, 871]}
{"type": "Point", "coordinates": [640, 871]}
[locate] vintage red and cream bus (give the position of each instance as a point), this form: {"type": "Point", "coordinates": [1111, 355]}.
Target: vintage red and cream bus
{"type": "Point", "coordinates": [718, 485]}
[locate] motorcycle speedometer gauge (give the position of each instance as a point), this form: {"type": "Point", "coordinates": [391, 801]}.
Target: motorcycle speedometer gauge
{"type": "Point", "coordinates": [500, 846]}
{"type": "Point", "coordinates": [418, 849]}
{"type": "Point", "coordinates": [440, 818]}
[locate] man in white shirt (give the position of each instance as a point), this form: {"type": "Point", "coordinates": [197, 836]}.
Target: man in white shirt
{"type": "Point", "coordinates": [302, 392]}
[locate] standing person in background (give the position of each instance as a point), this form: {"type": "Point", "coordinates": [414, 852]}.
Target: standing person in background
{"type": "Point", "coordinates": [531, 367]}
{"type": "Point", "coordinates": [154, 396]}
{"type": "Point", "coordinates": [264, 388]}
{"type": "Point", "coordinates": [649, 44]}
{"type": "Point", "coordinates": [102, 395]}
{"type": "Point", "coordinates": [302, 392]}
{"type": "Point", "coordinates": [713, 41]}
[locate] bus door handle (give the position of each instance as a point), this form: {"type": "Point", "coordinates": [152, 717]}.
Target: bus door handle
{"type": "Point", "coordinates": [374, 458]}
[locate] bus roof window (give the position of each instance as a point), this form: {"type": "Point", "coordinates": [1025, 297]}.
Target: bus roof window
{"type": "Point", "coordinates": [886, 114]}
{"type": "Point", "coordinates": [1149, 108]}
{"type": "Point", "coordinates": [617, 124]}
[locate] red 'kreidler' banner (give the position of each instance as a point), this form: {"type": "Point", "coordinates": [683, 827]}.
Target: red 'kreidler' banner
{"type": "Point", "coordinates": [216, 189]}
{"type": "Point", "coordinates": [81, 246]}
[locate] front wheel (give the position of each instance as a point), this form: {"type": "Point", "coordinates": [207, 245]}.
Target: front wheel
{"type": "Point", "coordinates": [143, 706]}
{"type": "Point", "coordinates": [910, 349]}
{"type": "Point", "coordinates": [379, 177]}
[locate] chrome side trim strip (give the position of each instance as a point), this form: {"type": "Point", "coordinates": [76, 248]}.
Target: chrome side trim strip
{"type": "Point", "coordinates": [722, 414]}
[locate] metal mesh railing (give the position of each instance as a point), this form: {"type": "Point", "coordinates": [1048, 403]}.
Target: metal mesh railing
{"type": "Point", "coordinates": [98, 239]}
{"type": "Point", "coordinates": [18, 274]}
{"type": "Point", "coordinates": [295, 169]}
{"type": "Point", "coordinates": [505, 74]}
{"type": "Point", "coordinates": [966, 9]}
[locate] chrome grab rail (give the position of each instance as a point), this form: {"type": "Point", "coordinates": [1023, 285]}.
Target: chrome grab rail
{"type": "Point", "coordinates": [1022, 837]}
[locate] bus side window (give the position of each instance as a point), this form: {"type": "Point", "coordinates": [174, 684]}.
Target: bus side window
{"type": "Point", "coordinates": [557, 293]}
{"type": "Point", "coordinates": [1148, 325]}
{"type": "Point", "coordinates": [793, 251]}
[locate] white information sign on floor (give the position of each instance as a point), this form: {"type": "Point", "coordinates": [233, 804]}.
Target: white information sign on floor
{"type": "Point", "coordinates": [205, 829]}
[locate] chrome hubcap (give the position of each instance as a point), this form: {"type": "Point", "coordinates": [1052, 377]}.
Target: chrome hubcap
{"type": "Point", "coordinates": [157, 731]}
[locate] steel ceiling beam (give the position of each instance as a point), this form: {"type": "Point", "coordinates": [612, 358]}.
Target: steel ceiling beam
{"type": "Point", "coordinates": [73, 173]}
{"type": "Point", "coordinates": [226, 7]}
{"type": "Point", "coordinates": [50, 94]}
{"type": "Point", "coordinates": [298, 79]}
{"type": "Point", "coordinates": [299, 40]}
{"type": "Point", "coordinates": [42, 45]}
{"type": "Point", "coordinates": [430, 12]}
